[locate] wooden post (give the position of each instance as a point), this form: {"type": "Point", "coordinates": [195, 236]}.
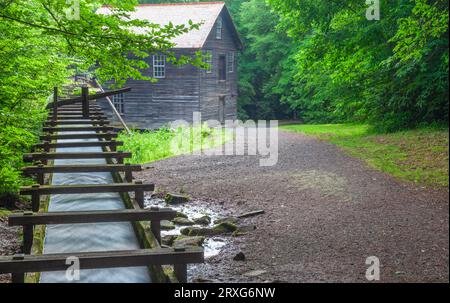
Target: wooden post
{"type": "Point", "coordinates": [35, 199]}
{"type": "Point", "coordinates": [120, 159]}
{"type": "Point", "coordinates": [128, 173]}
{"type": "Point", "coordinates": [55, 103]}
{"type": "Point", "coordinates": [180, 272]}
{"type": "Point", "coordinates": [155, 226]}
{"type": "Point", "coordinates": [85, 101]}
{"type": "Point", "coordinates": [27, 239]}
{"type": "Point", "coordinates": [18, 277]}
{"type": "Point", "coordinates": [40, 176]}
{"type": "Point", "coordinates": [139, 195]}
{"type": "Point", "coordinates": [46, 146]}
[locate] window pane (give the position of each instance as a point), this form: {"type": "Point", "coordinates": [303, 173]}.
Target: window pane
{"type": "Point", "coordinates": [219, 26]}
{"type": "Point", "coordinates": [159, 66]}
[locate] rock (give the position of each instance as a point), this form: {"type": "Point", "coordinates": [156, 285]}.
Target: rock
{"type": "Point", "coordinates": [168, 240]}
{"type": "Point", "coordinates": [176, 199]}
{"type": "Point", "coordinates": [255, 273]}
{"type": "Point", "coordinates": [182, 221]}
{"type": "Point", "coordinates": [232, 220]}
{"type": "Point", "coordinates": [239, 257]}
{"type": "Point", "coordinates": [223, 228]}
{"type": "Point", "coordinates": [181, 215]}
{"type": "Point", "coordinates": [205, 220]}
{"type": "Point", "coordinates": [183, 241]}
{"type": "Point", "coordinates": [167, 225]}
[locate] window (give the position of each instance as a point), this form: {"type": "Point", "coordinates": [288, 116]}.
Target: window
{"type": "Point", "coordinates": [222, 68]}
{"type": "Point", "coordinates": [230, 63]}
{"type": "Point", "coordinates": [219, 26]}
{"type": "Point", "coordinates": [159, 66]}
{"type": "Point", "coordinates": [118, 102]}
{"type": "Point", "coordinates": [208, 60]}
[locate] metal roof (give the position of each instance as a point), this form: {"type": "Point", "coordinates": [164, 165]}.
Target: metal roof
{"type": "Point", "coordinates": [180, 13]}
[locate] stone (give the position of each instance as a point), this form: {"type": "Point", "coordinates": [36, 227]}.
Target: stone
{"type": "Point", "coordinates": [239, 257]}
{"type": "Point", "coordinates": [167, 225]}
{"type": "Point", "coordinates": [183, 241]}
{"type": "Point", "coordinates": [182, 221]}
{"type": "Point", "coordinates": [181, 215]}
{"type": "Point", "coordinates": [176, 199]}
{"type": "Point", "coordinates": [223, 228]}
{"type": "Point", "coordinates": [204, 220]}
{"type": "Point", "coordinates": [232, 220]}
{"type": "Point", "coordinates": [168, 240]}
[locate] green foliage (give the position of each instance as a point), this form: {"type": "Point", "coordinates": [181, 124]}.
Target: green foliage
{"type": "Point", "coordinates": [419, 155]}
{"type": "Point", "coordinates": [150, 146]}
{"type": "Point", "coordinates": [40, 44]}
{"type": "Point", "coordinates": [392, 73]}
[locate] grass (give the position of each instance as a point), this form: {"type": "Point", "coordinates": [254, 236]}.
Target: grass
{"type": "Point", "coordinates": [150, 146]}
{"type": "Point", "coordinates": [419, 155]}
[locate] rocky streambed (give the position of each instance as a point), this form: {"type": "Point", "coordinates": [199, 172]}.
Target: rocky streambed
{"type": "Point", "coordinates": [198, 224]}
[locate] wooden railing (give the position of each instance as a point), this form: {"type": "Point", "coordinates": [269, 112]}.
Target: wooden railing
{"type": "Point", "coordinates": [79, 111]}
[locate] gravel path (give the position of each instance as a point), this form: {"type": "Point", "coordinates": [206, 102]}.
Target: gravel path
{"type": "Point", "coordinates": [326, 212]}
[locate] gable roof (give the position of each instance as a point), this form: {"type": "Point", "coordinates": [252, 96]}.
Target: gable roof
{"type": "Point", "coordinates": [181, 13]}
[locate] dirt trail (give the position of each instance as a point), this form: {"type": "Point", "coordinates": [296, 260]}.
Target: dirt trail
{"type": "Point", "coordinates": [326, 212]}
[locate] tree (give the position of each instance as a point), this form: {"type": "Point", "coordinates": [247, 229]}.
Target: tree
{"type": "Point", "coordinates": [40, 39]}
{"type": "Point", "coordinates": [392, 72]}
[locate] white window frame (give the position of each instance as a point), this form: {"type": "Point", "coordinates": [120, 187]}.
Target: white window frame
{"type": "Point", "coordinates": [159, 66]}
{"type": "Point", "coordinates": [209, 60]}
{"type": "Point", "coordinates": [230, 62]}
{"type": "Point", "coordinates": [219, 28]}
{"type": "Point", "coordinates": [119, 103]}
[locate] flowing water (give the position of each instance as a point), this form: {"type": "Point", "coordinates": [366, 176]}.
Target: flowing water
{"type": "Point", "coordinates": [89, 237]}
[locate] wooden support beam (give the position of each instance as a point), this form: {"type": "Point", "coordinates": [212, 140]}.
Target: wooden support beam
{"type": "Point", "coordinates": [92, 260]}
{"type": "Point", "coordinates": [85, 189]}
{"type": "Point", "coordinates": [77, 117]}
{"type": "Point", "coordinates": [85, 101]}
{"type": "Point", "coordinates": [82, 168]}
{"type": "Point", "coordinates": [78, 144]}
{"type": "Point", "coordinates": [91, 155]}
{"type": "Point", "coordinates": [127, 215]}
{"type": "Point", "coordinates": [55, 103]}
{"type": "Point", "coordinates": [76, 122]}
{"type": "Point", "coordinates": [80, 128]}
{"type": "Point", "coordinates": [107, 136]}
{"type": "Point", "coordinates": [75, 111]}
{"type": "Point", "coordinates": [68, 102]}
{"type": "Point", "coordinates": [180, 271]}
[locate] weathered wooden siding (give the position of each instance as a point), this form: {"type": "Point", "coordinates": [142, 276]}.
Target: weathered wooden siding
{"type": "Point", "coordinates": [152, 105]}
{"type": "Point", "coordinates": [211, 88]}
{"type": "Point", "coordinates": [184, 90]}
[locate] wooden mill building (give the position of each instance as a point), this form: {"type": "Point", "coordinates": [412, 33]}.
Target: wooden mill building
{"type": "Point", "coordinates": [180, 91]}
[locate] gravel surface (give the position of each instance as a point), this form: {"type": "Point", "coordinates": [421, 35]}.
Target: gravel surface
{"type": "Point", "coordinates": [9, 243]}
{"type": "Point", "coordinates": [326, 212]}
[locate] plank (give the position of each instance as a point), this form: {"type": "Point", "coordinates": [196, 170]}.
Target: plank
{"type": "Point", "coordinates": [85, 188]}
{"type": "Point", "coordinates": [78, 136]}
{"type": "Point", "coordinates": [76, 122]}
{"type": "Point", "coordinates": [80, 128]}
{"type": "Point", "coordinates": [75, 117]}
{"type": "Point", "coordinates": [73, 217]}
{"type": "Point", "coordinates": [111, 259]}
{"type": "Point", "coordinates": [47, 169]}
{"type": "Point", "coordinates": [91, 155]}
{"type": "Point", "coordinates": [89, 97]}
{"type": "Point", "coordinates": [79, 144]}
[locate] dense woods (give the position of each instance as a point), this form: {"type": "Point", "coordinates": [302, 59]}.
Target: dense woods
{"type": "Point", "coordinates": [319, 61]}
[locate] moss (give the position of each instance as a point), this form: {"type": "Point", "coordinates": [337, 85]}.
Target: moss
{"type": "Point", "coordinates": [219, 229]}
